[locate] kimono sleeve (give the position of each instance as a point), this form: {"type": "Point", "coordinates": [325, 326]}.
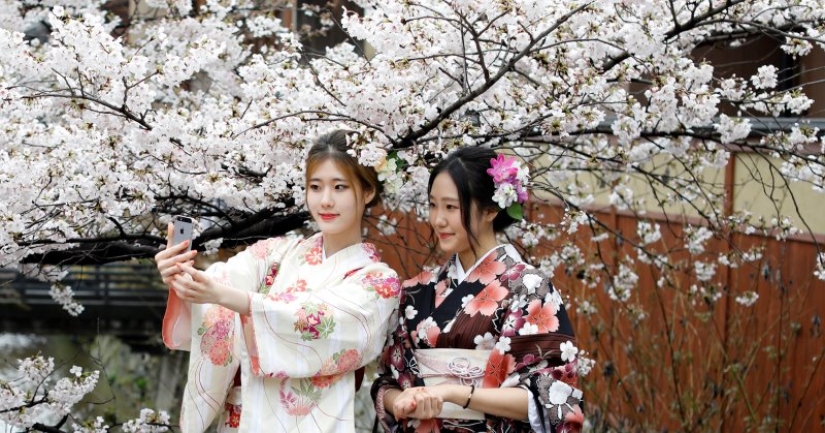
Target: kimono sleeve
{"type": "Point", "coordinates": [392, 366]}
{"type": "Point", "coordinates": [324, 332]}
{"type": "Point", "coordinates": [535, 326]}
{"type": "Point", "coordinates": [392, 363]}
{"type": "Point", "coordinates": [245, 271]}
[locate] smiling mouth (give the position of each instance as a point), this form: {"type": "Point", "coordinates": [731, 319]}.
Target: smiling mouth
{"type": "Point", "coordinates": [444, 235]}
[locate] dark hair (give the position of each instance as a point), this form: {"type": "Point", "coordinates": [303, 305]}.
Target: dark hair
{"type": "Point", "coordinates": [467, 167]}
{"type": "Point", "coordinates": [333, 146]}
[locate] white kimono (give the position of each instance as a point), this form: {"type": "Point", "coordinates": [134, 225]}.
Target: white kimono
{"type": "Point", "coordinates": [312, 323]}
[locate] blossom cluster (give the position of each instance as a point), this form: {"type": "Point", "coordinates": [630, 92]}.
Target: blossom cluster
{"type": "Point", "coordinates": [820, 266]}
{"type": "Point", "coordinates": [182, 111]}
{"type": "Point", "coordinates": [34, 397]}
{"type": "Point", "coordinates": [148, 422]}
{"type": "Point", "coordinates": [64, 296]}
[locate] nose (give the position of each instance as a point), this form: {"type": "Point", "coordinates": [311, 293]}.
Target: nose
{"type": "Point", "coordinates": [326, 198]}
{"type": "Point", "coordinates": [435, 218]}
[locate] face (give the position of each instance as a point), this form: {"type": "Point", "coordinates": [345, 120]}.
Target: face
{"type": "Point", "coordinates": [445, 217]}
{"type": "Point", "coordinates": [336, 204]}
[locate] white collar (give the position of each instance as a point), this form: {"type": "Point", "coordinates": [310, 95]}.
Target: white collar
{"type": "Point", "coordinates": [460, 274]}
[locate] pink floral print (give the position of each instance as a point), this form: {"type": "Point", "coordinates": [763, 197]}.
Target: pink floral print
{"type": "Point", "coordinates": [513, 273]}
{"type": "Point", "coordinates": [233, 415]}
{"type": "Point", "coordinates": [300, 286]}
{"type": "Point", "coordinates": [334, 367]}
{"type": "Point", "coordinates": [543, 316]}
{"type": "Point", "coordinates": [487, 270]}
{"type": "Point", "coordinates": [217, 331]}
{"type": "Point", "coordinates": [315, 255]}
{"type": "Point", "coordinates": [260, 249]}
{"type": "Point", "coordinates": [573, 421]}
{"type": "Point", "coordinates": [325, 381]}
{"type": "Point", "coordinates": [372, 253]}
{"type": "Point", "coordinates": [348, 360]}
{"type": "Point", "coordinates": [385, 287]}
{"type": "Point", "coordinates": [299, 400]}
{"type": "Point", "coordinates": [269, 279]}
{"type": "Point", "coordinates": [428, 332]}
{"type": "Point", "coordinates": [422, 278]}
{"type": "Point", "coordinates": [499, 366]}
{"type": "Point", "coordinates": [282, 297]}
{"type": "Point", "coordinates": [487, 301]}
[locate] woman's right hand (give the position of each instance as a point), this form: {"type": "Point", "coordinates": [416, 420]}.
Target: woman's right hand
{"type": "Point", "coordinates": [417, 402]}
{"type": "Point", "coordinates": [168, 260]}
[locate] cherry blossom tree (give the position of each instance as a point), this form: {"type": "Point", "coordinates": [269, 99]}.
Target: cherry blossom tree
{"type": "Point", "coordinates": [109, 126]}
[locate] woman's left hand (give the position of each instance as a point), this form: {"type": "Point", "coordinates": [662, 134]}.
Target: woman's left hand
{"type": "Point", "coordinates": [196, 286]}
{"type": "Point", "coordinates": [417, 402]}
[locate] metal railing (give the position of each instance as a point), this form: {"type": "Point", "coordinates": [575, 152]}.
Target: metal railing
{"type": "Point", "coordinates": [120, 298]}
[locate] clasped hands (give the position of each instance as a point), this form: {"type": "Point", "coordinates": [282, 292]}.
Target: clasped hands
{"type": "Point", "coordinates": [423, 402]}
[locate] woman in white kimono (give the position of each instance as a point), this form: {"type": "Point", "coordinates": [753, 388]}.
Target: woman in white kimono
{"type": "Point", "coordinates": [277, 332]}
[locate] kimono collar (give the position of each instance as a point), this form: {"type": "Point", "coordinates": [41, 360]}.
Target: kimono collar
{"type": "Point", "coordinates": [355, 255]}
{"type": "Point", "coordinates": [457, 272]}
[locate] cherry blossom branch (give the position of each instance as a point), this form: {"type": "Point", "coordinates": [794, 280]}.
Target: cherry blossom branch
{"type": "Point", "coordinates": [121, 111]}
{"type": "Point", "coordinates": [446, 112]}
{"type": "Point", "coordinates": [98, 251]}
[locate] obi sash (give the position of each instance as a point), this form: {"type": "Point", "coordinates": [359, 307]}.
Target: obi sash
{"type": "Point", "coordinates": [453, 366]}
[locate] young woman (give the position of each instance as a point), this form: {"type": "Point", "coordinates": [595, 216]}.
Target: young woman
{"type": "Point", "coordinates": [277, 332]}
{"type": "Point", "coordinates": [479, 342]}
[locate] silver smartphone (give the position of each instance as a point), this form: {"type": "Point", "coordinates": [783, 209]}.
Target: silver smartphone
{"type": "Point", "coordinates": [183, 230]}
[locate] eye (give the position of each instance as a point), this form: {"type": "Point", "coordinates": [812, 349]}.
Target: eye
{"type": "Point", "coordinates": [341, 187]}
{"type": "Point", "coordinates": [432, 205]}
{"type": "Point", "coordinates": [314, 187]}
{"type": "Point", "coordinates": [451, 207]}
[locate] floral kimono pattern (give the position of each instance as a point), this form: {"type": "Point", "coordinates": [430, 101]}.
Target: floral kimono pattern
{"type": "Point", "coordinates": [505, 306]}
{"type": "Point", "coordinates": [312, 323]}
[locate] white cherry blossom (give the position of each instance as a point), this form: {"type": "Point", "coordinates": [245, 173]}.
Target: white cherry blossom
{"type": "Point", "coordinates": [568, 351]}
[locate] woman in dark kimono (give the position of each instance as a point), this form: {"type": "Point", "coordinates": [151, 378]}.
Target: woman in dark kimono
{"type": "Point", "coordinates": [484, 343]}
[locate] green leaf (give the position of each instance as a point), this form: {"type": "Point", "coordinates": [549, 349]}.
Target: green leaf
{"type": "Point", "coordinates": [400, 163]}
{"type": "Point", "coordinates": [515, 211]}
{"type": "Point", "coordinates": [326, 327]}
{"type": "Point", "coordinates": [310, 308]}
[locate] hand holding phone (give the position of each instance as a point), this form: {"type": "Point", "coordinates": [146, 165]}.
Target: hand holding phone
{"type": "Point", "coordinates": [169, 259]}
{"type": "Point", "coordinates": [183, 226]}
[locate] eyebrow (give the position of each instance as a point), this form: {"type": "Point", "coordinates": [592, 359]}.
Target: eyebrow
{"type": "Point", "coordinates": [444, 199]}
{"type": "Point", "coordinates": [336, 179]}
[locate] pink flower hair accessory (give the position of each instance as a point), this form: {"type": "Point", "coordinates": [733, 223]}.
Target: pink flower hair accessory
{"type": "Point", "coordinates": [510, 178]}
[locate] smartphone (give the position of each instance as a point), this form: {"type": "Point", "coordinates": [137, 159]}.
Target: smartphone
{"type": "Point", "coordinates": [183, 230]}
